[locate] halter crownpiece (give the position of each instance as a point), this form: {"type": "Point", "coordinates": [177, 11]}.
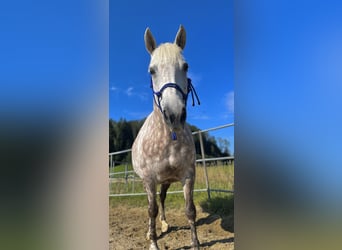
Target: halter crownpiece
{"type": "Point", "coordinates": [190, 89]}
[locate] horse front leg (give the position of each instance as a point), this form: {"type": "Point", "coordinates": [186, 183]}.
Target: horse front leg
{"type": "Point", "coordinates": [163, 190]}
{"type": "Point", "coordinates": [190, 210]}
{"type": "Point", "coordinates": [150, 189]}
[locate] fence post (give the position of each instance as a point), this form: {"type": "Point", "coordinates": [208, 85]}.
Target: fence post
{"type": "Point", "coordinates": [133, 184]}
{"type": "Point", "coordinates": [204, 165]}
{"type": "Point", "coordinates": [126, 169]}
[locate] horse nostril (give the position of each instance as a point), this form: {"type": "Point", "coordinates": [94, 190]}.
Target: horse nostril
{"type": "Point", "coordinates": [168, 117]}
{"type": "Point", "coordinates": [172, 118]}
{"type": "Point", "coordinates": [183, 116]}
{"type": "Point", "coordinates": [175, 119]}
{"type": "Point", "coordinates": [165, 115]}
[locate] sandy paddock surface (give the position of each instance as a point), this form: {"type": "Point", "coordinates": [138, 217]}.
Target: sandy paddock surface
{"type": "Point", "coordinates": [128, 228]}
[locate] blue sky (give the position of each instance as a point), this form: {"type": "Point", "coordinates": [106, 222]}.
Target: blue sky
{"type": "Point", "coordinates": [288, 90]}
{"type": "Point", "coordinates": [209, 53]}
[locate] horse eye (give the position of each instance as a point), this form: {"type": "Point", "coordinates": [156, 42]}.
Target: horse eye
{"type": "Point", "coordinates": [152, 71]}
{"type": "Point", "coordinates": [185, 67]}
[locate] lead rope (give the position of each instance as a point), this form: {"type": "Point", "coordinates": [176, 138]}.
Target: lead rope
{"type": "Point", "coordinates": [192, 90]}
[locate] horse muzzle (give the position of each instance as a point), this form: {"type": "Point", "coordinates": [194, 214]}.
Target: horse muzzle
{"type": "Point", "coordinates": [174, 120]}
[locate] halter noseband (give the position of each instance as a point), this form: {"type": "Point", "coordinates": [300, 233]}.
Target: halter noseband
{"type": "Point", "coordinates": [190, 89]}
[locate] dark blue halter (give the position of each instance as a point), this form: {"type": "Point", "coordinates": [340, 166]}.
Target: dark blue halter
{"type": "Point", "coordinates": [190, 89]}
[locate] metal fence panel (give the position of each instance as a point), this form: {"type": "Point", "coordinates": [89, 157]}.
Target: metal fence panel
{"type": "Point", "coordinates": [129, 176]}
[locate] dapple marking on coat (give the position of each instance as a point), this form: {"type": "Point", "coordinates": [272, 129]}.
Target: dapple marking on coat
{"type": "Point", "coordinates": [157, 157]}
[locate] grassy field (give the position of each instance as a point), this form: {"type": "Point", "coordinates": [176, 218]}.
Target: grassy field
{"type": "Point", "coordinates": [220, 177]}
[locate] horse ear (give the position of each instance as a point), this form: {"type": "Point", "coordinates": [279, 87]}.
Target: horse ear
{"type": "Point", "coordinates": [180, 37]}
{"type": "Point", "coordinates": [150, 43]}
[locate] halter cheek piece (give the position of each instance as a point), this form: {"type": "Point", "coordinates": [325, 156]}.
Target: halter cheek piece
{"type": "Point", "coordinates": [158, 94]}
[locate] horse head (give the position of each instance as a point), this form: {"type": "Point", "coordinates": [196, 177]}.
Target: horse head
{"type": "Point", "coordinates": [169, 80]}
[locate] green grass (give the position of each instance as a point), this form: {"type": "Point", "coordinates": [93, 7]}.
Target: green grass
{"type": "Point", "coordinates": [220, 177]}
{"type": "Point", "coordinates": [121, 168]}
{"type": "Point", "coordinates": [220, 203]}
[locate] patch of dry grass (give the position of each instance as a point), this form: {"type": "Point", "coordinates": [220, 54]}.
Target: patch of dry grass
{"type": "Point", "coordinates": [220, 177]}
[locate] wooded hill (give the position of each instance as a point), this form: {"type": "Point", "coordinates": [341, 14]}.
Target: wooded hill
{"type": "Point", "coordinates": [122, 134]}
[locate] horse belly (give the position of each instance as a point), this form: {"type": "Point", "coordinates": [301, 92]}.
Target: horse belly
{"type": "Point", "coordinates": [168, 175]}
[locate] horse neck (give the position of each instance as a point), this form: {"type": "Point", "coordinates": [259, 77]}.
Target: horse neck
{"type": "Point", "coordinates": [158, 115]}
{"type": "Point", "coordinates": [159, 119]}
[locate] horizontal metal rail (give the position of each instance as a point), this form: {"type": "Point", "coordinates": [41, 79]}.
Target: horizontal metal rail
{"type": "Point", "coordinates": [221, 190]}
{"type": "Point", "coordinates": [198, 160]}
{"type": "Point", "coordinates": [173, 192]}
{"type": "Point", "coordinates": [121, 152]}
{"type": "Point", "coordinates": [211, 129]}
{"type": "Point", "coordinates": [168, 192]}
{"type": "Point", "coordinates": [130, 171]}
{"type": "Point", "coordinates": [216, 159]}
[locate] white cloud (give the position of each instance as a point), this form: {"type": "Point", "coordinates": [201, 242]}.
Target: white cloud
{"type": "Point", "coordinates": [229, 101]}
{"type": "Point", "coordinates": [113, 88]}
{"type": "Point", "coordinates": [129, 91]}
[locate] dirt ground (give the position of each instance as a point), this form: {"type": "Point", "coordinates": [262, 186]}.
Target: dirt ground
{"type": "Point", "coordinates": [128, 228]}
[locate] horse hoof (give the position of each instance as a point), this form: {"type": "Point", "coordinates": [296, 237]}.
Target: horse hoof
{"type": "Point", "coordinates": [154, 246]}
{"type": "Point", "coordinates": [148, 235]}
{"type": "Point", "coordinates": [165, 226]}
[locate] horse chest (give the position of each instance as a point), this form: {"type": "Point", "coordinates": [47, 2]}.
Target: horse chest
{"type": "Point", "coordinates": [173, 165]}
{"type": "Point", "coordinates": [156, 154]}
{"type": "Point", "coordinates": [167, 153]}
{"type": "Point", "coordinates": [164, 156]}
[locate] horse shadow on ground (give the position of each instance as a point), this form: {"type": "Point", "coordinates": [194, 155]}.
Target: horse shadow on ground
{"type": "Point", "coordinates": [209, 244]}
{"type": "Point", "coordinates": [217, 208]}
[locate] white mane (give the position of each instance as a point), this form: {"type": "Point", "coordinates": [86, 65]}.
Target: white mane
{"type": "Point", "coordinates": [167, 53]}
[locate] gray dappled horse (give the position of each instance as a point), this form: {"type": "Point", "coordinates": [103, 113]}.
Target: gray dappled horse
{"type": "Point", "coordinates": [164, 151]}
